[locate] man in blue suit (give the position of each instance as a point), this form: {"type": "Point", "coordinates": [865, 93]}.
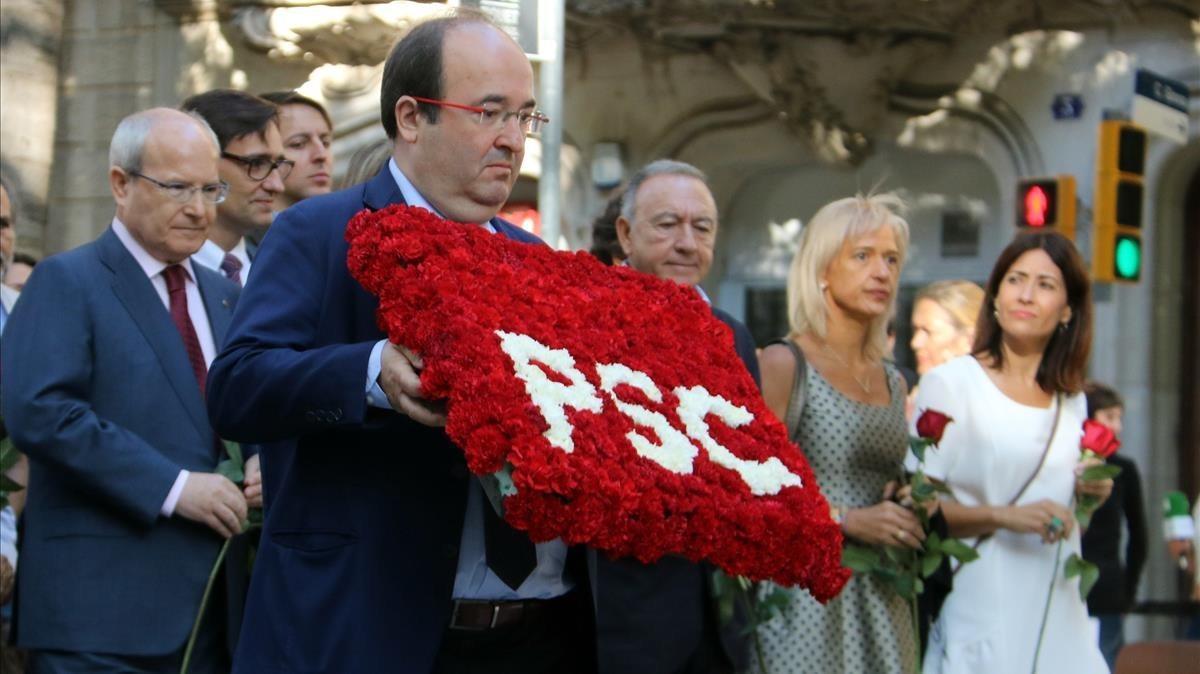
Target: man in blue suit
{"type": "Point", "coordinates": [380, 552]}
{"type": "Point", "coordinates": [661, 617]}
{"type": "Point", "coordinates": [104, 370]}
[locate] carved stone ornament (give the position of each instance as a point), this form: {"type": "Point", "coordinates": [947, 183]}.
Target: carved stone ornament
{"type": "Point", "coordinates": [355, 35]}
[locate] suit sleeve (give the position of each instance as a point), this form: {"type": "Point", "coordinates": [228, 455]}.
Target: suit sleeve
{"type": "Point", "coordinates": [45, 398]}
{"type": "Point", "coordinates": [1135, 518]}
{"type": "Point", "coordinates": [744, 343]}
{"type": "Point", "coordinates": [272, 380]}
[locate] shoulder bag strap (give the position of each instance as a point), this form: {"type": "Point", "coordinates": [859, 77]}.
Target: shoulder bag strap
{"type": "Point", "coordinates": [1058, 403]}
{"type": "Point", "coordinates": [796, 401]}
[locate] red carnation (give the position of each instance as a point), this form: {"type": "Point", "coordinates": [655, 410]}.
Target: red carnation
{"type": "Point", "coordinates": [448, 291]}
{"type": "Point", "coordinates": [931, 425]}
{"type": "Point", "coordinates": [1099, 439]}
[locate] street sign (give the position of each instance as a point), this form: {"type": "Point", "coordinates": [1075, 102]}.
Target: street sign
{"type": "Point", "coordinates": [1067, 106]}
{"type": "Point", "coordinates": [1160, 105]}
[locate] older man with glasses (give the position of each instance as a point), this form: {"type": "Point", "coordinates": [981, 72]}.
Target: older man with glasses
{"type": "Point", "coordinates": [105, 365]}
{"type": "Point", "coordinates": [252, 164]}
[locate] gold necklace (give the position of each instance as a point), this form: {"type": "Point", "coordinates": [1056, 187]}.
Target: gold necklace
{"type": "Point", "coordinates": [864, 385]}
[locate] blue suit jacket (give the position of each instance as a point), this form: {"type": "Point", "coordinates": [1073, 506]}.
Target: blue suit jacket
{"type": "Point", "coordinates": [98, 391]}
{"type": "Point", "coordinates": [360, 546]}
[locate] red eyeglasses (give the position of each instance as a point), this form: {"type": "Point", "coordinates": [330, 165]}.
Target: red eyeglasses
{"type": "Point", "coordinates": [495, 117]}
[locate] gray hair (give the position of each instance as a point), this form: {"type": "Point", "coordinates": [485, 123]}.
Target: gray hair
{"type": "Point", "coordinates": [129, 139]}
{"type": "Point", "coordinates": [658, 167]}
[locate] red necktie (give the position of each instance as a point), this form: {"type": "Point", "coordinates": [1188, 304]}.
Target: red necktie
{"type": "Point", "coordinates": [177, 289]}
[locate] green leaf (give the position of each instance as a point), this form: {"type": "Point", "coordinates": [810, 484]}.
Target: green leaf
{"type": "Point", "coordinates": [930, 563]}
{"type": "Point", "coordinates": [1073, 566]}
{"type": "Point", "coordinates": [231, 470]}
{"type": "Point", "coordinates": [895, 554]}
{"type": "Point", "coordinates": [8, 454]}
{"type": "Point", "coordinates": [1087, 580]}
{"type": "Point", "coordinates": [942, 488]}
{"type": "Point", "coordinates": [234, 450]}
{"type": "Point", "coordinates": [933, 541]}
{"type": "Point", "coordinates": [923, 492]}
{"type": "Point", "coordinates": [918, 586]}
{"type": "Point", "coordinates": [859, 559]}
{"type": "Point", "coordinates": [918, 447]}
{"type": "Point", "coordinates": [959, 550]}
{"type": "Point", "coordinates": [904, 585]}
{"type": "Point", "coordinates": [1103, 471]}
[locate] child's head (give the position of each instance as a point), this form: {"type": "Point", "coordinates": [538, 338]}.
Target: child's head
{"type": "Point", "coordinates": [1104, 405]}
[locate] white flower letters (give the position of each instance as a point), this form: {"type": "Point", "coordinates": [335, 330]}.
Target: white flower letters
{"type": "Point", "coordinates": [674, 450]}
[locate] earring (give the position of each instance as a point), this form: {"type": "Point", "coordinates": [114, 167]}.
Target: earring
{"type": "Point", "coordinates": [823, 286]}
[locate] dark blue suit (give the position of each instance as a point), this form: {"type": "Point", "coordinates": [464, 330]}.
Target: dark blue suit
{"type": "Point", "coordinates": [358, 555]}
{"type": "Point", "coordinates": [660, 618]}
{"type": "Point", "coordinates": [98, 391]}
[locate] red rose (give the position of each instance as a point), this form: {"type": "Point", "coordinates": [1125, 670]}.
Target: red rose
{"type": "Point", "coordinates": [1099, 439]}
{"type": "Point", "coordinates": [931, 425]}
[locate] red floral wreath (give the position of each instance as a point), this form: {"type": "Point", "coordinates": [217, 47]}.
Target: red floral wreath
{"type": "Point", "coordinates": [449, 291]}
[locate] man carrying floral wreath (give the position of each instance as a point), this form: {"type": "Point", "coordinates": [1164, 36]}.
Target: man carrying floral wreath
{"type": "Point", "coordinates": [380, 553]}
{"type": "Point", "coordinates": [661, 617]}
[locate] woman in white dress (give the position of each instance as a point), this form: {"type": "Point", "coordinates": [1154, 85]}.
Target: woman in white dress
{"type": "Point", "coordinates": [1011, 460]}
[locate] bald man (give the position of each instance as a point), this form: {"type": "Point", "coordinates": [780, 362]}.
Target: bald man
{"type": "Point", "coordinates": [104, 364]}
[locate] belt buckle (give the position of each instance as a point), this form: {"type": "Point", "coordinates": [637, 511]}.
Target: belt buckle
{"type": "Point", "coordinates": [495, 615]}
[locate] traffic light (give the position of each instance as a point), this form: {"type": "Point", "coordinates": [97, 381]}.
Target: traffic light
{"type": "Point", "coordinates": [1047, 202]}
{"type": "Point", "coordinates": [1117, 208]}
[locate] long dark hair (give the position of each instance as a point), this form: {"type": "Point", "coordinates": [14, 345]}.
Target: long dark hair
{"type": "Point", "coordinates": [1064, 362]}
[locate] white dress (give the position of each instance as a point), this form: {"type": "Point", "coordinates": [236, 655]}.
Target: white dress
{"type": "Point", "coordinates": [990, 621]}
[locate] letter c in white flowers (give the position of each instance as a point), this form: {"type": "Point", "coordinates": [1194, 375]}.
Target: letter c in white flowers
{"type": "Point", "coordinates": [676, 452]}
{"type": "Point", "coordinates": [551, 397]}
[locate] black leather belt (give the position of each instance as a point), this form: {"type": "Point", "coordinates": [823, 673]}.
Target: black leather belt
{"type": "Point", "coordinates": [485, 615]}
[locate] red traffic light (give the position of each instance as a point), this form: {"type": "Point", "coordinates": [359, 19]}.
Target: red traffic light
{"type": "Point", "coordinates": [1037, 206]}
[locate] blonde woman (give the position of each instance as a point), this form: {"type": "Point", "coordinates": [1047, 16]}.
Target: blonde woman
{"type": "Point", "coordinates": [844, 406]}
{"type": "Point", "coordinates": [943, 322]}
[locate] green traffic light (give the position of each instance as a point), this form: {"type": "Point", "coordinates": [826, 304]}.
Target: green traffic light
{"type": "Point", "coordinates": [1128, 258]}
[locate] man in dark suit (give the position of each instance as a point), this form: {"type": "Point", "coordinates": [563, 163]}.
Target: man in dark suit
{"type": "Point", "coordinates": [380, 553]}
{"type": "Point", "coordinates": [104, 367]}
{"type": "Point", "coordinates": [661, 617]}
{"type": "Point", "coordinates": [252, 164]}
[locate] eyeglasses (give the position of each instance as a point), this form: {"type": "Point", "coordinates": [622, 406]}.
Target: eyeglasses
{"type": "Point", "coordinates": [258, 168]}
{"type": "Point", "coordinates": [213, 193]}
{"type": "Point", "coordinates": [495, 117]}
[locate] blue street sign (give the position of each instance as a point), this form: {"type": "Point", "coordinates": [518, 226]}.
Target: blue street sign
{"type": "Point", "coordinates": [1067, 106]}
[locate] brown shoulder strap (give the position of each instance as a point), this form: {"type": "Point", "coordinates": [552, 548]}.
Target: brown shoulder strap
{"type": "Point", "coordinates": [795, 408]}
{"type": "Point", "coordinates": [1058, 403]}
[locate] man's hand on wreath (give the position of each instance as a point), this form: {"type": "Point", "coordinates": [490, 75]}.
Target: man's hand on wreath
{"type": "Point", "coordinates": [400, 379]}
{"type": "Point", "coordinates": [885, 523]}
{"type": "Point", "coordinates": [252, 486]}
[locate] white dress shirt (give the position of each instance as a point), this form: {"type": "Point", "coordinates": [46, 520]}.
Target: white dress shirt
{"type": "Point", "coordinates": [473, 579]}
{"type": "Point", "coordinates": [153, 269]}
{"type": "Point", "coordinates": [211, 255]}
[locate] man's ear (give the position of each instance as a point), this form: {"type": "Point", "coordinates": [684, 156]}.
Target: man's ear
{"type": "Point", "coordinates": [118, 182]}
{"type": "Point", "coordinates": [406, 113]}
{"type": "Point", "coordinates": [623, 229]}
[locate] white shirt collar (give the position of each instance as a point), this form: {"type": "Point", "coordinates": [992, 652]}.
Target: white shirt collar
{"type": "Point", "coordinates": [697, 288]}
{"type": "Point", "coordinates": [151, 265]}
{"type": "Point", "coordinates": [211, 255]}
{"type": "Point", "coordinates": [413, 198]}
